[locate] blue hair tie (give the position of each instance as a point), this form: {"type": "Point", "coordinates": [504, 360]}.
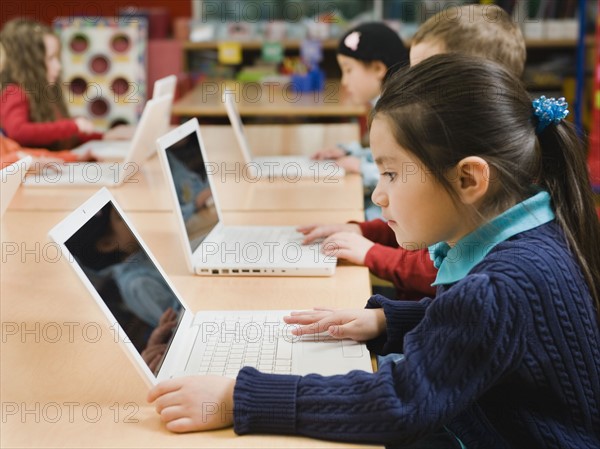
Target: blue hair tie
{"type": "Point", "coordinates": [549, 110]}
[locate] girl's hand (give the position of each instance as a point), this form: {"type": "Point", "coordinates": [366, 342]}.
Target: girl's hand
{"type": "Point", "coordinates": [84, 125]}
{"type": "Point", "coordinates": [329, 153]}
{"type": "Point", "coordinates": [355, 324]}
{"type": "Point", "coordinates": [189, 404]}
{"type": "Point", "coordinates": [318, 231]}
{"type": "Point", "coordinates": [349, 246]}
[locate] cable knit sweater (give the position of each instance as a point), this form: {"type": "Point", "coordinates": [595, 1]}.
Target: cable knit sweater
{"type": "Point", "coordinates": [506, 357]}
{"type": "Point", "coordinates": [15, 121]}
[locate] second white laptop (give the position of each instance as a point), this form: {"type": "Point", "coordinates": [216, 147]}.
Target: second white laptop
{"type": "Point", "coordinates": [160, 333]}
{"type": "Point", "coordinates": [156, 112]}
{"type": "Point", "coordinates": [11, 177]}
{"type": "Point", "coordinates": [118, 149]}
{"type": "Point", "coordinates": [277, 166]}
{"type": "Point", "coordinates": [214, 249]}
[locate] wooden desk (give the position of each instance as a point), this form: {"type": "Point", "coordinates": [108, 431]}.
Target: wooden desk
{"type": "Point", "coordinates": [274, 100]}
{"type": "Point", "coordinates": [66, 383]}
{"type": "Point", "coordinates": [265, 140]}
{"type": "Point", "coordinates": [147, 191]}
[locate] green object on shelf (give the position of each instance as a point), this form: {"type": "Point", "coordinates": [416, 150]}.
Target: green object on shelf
{"type": "Point", "coordinates": [272, 52]}
{"type": "Point", "coordinates": [255, 74]}
{"type": "Point", "coordinates": [249, 77]}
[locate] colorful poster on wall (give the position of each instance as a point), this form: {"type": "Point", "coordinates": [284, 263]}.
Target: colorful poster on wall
{"type": "Point", "coordinates": [104, 63]}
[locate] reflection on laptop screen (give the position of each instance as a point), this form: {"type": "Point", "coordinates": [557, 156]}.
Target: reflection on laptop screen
{"type": "Point", "coordinates": [128, 282]}
{"type": "Point", "coordinates": [193, 189]}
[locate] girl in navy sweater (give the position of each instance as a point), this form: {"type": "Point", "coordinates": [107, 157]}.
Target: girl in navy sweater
{"type": "Point", "coordinates": [507, 354]}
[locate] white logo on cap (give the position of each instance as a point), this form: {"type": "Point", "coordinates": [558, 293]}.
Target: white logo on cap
{"type": "Point", "coordinates": [352, 40]}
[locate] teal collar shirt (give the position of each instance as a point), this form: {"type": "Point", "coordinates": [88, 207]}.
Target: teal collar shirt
{"type": "Point", "coordinates": [454, 263]}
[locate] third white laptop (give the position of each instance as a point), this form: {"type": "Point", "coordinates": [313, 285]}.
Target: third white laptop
{"type": "Point", "coordinates": [159, 331]}
{"type": "Point", "coordinates": [165, 86]}
{"type": "Point", "coordinates": [156, 113]}
{"type": "Point", "coordinates": [212, 248]}
{"type": "Point", "coordinates": [277, 166]}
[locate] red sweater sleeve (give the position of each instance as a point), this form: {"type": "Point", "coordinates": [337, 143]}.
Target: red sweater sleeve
{"type": "Point", "coordinates": [411, 272]}
{"type": "Point", "coordinates": [16, 122]}
{"type": "Point", "coordinates": [379, 232]}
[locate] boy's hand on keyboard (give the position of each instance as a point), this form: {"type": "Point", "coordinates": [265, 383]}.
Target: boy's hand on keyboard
{"type": "Point", "coordinates": [189, 404]}
{"type": "Point", "coordinates": [349, 163]}
{"type": "Point", "coordinates": [332, 152]}
{"type": "Point", "coordinates": [347, 245]}
{"type": "Point", "coordinates": [320, 231]}
{"type": "Point", "coordinates": [359, 324]}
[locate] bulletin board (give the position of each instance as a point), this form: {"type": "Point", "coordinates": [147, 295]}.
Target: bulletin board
{"type": "Point", "coordinates": [104, 68]}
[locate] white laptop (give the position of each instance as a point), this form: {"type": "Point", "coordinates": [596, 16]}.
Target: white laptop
{"type": "Point", "coordinates": [277, 166]}
{"type": "Point", "coordinates": [164, 86]}
{"type": "Point", "coordinates": [207, 342]}
{"type": "Point", "coordinates": [118, 149]}
{"type": "Point", "coordinates": [11, 177]}
{"type": "Point", "coordinates": [156, 113]}
{"type": "Point", "coordinates": [212, 248]}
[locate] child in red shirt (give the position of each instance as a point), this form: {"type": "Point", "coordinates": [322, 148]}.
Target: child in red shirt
{"type": "Point", "coordinates": [34, 112]}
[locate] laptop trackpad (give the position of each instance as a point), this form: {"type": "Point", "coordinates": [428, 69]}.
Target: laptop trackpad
{"type": "Point", "coordinates": [327, 355]}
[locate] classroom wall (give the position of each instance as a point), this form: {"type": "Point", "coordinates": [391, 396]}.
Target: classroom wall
{"type": "Point", "coordinates": [46, 10]}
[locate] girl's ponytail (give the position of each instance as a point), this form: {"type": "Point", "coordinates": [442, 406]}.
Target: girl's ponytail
{"type": "Point", "coordinates": [565, 175]}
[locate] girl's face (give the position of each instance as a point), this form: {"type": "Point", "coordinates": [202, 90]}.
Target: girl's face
{"type": "Point", "coordinates": [362, 82]}
{"type": "Point", "coordinates": [418, 208]}
{"type": "Point", "coordinates": [53, 64]}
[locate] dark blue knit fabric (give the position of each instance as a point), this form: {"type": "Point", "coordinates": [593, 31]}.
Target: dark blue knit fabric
{"type": "Point", "coordinates": [507, 357]}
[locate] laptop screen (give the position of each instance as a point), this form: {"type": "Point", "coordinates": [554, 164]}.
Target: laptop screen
{"type": "Point", "coordinates": [128, 282]}
{"type": "Point", "coordinates": [195, 197]}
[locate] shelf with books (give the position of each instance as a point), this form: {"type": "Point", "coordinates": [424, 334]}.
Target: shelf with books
{"type": "Point", "coordinates": [255, 44]}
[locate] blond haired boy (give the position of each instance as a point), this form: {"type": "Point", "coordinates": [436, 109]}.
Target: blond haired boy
{"type": "Point", "coordinates": [486, 31]}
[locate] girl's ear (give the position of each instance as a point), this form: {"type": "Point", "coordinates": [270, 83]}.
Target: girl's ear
{"type": "Point", "coordinates": [379, 68]}
{"type": "Point", "coordinates": [472, 179]}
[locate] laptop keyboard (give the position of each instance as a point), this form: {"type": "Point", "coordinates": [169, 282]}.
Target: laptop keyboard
{"type": "Point", "coordinates": [246, 235]}
{"type": "Point", "coordinates": [226, 344]}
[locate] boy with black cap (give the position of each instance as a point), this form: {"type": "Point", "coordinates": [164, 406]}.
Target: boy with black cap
{"type": "Point", "coordinates": [367, 55]}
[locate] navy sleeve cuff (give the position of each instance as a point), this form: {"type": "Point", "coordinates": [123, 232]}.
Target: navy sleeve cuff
{"type": "Point", "coordinates": [264, 403]}
{"type": "Point", "coordinates": [401, 317]}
